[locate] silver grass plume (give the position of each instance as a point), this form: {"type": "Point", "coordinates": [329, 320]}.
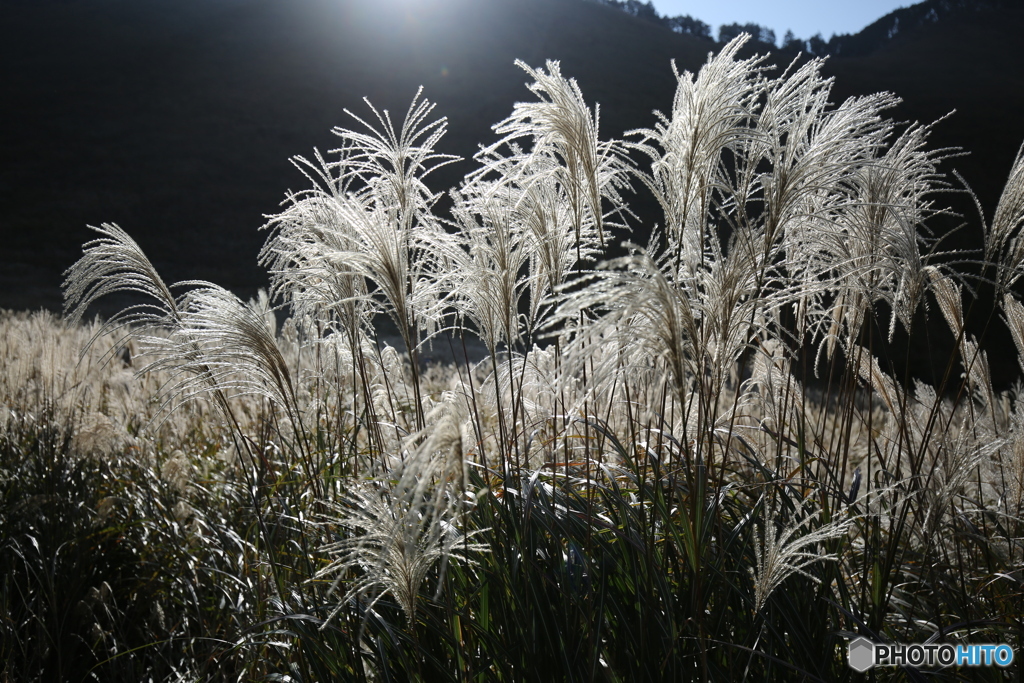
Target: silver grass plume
{"type": "Point", "coordinates": [556, 184]}
{"type": "Point", "coordinates": [1013, 311]}
{"type": "Point", "coordinates": [1004, 242]}
{"type": "Point", "coordinates": [233, 350]}
{"type": "Point", "coordinates": [693, 325]}
{"type": "Point", "coordinates": [367, 227]}
{"type": "Point", "coordinates": [975, 361]}
{"type": "Point", "coordinates": [306, 252]}
{"type": "Point", "coordinates": [393, 537]}
{"type": "Point", "coordinates": [790, 549]}
{"type": "Point", "coordinates": [958, 458]}
{"type": "Point", "coordinates": [775, 385]}
{"type": "Point", "coordinates": [872, 374]}
{"type": "Point", "coordinates": [114, 263]}
{"type": "Point", "coordinates": [554, 250]}
{"type": "Point", "coordinates": [562, 127]}
{"type": "Point", "coordinates": [711, 112]}
{"type": "Point", "coordinates": [645, 313]}
{"type": "Point", "coordinates": [206, 338]}
{"type": "Point", "coordinates": [1014, 492]}
{"type": "Point", "coordinates": [868, 246]}
{"type": "Point", "coordinates": [490, 261]}
{"type": "Point", "coordinates": [365, 236]}
{"type": "Point", "coordinates": [540, 239]}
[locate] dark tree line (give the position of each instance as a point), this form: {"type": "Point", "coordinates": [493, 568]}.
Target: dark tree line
{"type": "Point", "coordinates": [867, 40]}
{"type": "Point", "coordinates": [727, 32]}
{"type": "Point", "coordinates": [683, 23]}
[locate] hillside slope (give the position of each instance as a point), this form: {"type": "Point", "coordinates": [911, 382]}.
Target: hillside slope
{"type": "Point", "coordinates": [967, 64]}
{"type": "Point", "coordinates": [176, 118]}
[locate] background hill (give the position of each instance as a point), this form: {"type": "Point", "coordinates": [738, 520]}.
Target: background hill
{"type": "Point", "coordinates": [176, 118]}
{"type": "Point", "coordinates": [968, 61]}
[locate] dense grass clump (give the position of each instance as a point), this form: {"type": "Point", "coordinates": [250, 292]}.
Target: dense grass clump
{"type": "Point", "coordinates": [702, 459]}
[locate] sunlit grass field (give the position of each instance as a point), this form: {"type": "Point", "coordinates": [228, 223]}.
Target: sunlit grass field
{"type": "Point", "coordinates": [703, 460]}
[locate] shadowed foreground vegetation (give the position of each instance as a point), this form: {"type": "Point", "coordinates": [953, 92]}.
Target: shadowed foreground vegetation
{"type": "Point", "coordinates": [701, 460]}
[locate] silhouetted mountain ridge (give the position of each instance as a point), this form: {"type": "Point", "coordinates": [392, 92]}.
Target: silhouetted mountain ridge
{"type": "Point", "coordinates": [906, 21]}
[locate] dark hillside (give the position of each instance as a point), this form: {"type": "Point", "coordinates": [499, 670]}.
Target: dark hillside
{"type": "Point", "coordinates": [970, 62]}
{"type": "Point", "coordinates": [909, 20]}
{"type": "Point", "coordinates": [176, 118]}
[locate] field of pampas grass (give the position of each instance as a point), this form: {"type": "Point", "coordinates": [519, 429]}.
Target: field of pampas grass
{"type": "Point", "coordinates": [699, 460]}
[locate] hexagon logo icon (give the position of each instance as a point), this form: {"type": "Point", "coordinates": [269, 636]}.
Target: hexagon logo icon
{"type": "Point", "coordinates": [861, 654]}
